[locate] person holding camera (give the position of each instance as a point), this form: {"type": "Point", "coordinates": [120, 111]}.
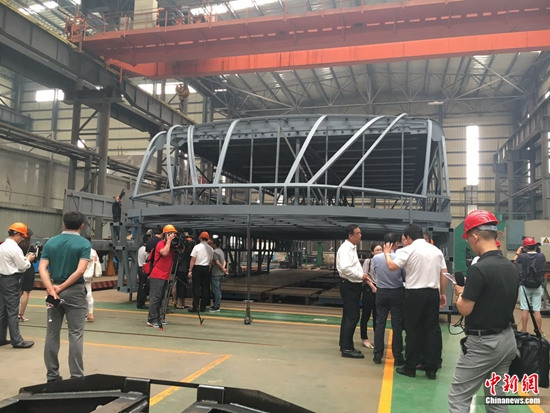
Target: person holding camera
{"type": "Point", "coordinates": [487, 302]}
{"type": "Point", "coordinates": [160, 274]}
{"type": "Point", "coordinates": [64, 260]}
{"type": "Point", "coordinates": [531, 277]}
{"type": "Point", "coordinates": [179, 290]}
{"type": "Point", "coordinates": [199, 270]}
{"type": "Point", "coordinates": [27, 276]}
{"type": "Point", "coordinates": [12, 263]}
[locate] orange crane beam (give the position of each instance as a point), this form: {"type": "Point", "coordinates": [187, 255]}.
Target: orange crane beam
{"type": "Point", "coordinates": [344, 56]}
{"type": "Point", "coordinates": [310, 39]}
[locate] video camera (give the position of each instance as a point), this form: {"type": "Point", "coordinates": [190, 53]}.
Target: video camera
{"type": "Point", "coordinates": [181, 242]}
{"type": "Point", "coordinates": [38, 250]}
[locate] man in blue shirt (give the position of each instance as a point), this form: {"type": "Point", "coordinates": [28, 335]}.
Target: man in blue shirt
{"type": "Point", "coordinates": [390, 298]}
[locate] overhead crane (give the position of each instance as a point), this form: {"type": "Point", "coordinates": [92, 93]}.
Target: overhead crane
{"type": "Point", "coordinates": [298, 38]}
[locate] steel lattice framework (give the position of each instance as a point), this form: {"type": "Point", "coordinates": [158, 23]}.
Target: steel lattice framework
{"type": "Point", "coordinates": [299, 177]}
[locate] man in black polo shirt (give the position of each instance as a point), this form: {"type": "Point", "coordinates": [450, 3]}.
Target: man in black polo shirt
{"type": "Point", "coordinates": [154, 240]}
{"type": "Point", "coordinates": [487, 301]}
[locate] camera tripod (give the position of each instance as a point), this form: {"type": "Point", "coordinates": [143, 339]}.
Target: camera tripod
{"type": "Point", "coordinates": [166, 299]}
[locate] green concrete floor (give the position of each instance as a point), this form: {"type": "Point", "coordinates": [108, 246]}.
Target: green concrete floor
{"type": "Point", "coordinates": [288, 351]}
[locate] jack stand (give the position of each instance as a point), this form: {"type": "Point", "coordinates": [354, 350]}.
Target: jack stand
{"type": "Point", "coordinates": [247, 317]}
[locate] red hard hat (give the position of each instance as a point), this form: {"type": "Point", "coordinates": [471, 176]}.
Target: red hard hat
{"type": "Point", "coordinates": [479, 219]}
{"type": "Point", "coordinates": [19, 227]}
{"type": "Point", "coordinates": [528, 241]}
{"type": "Point", "coordinates": [204, 235]}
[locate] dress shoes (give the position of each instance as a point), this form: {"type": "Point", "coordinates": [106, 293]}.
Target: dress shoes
{"type": "Point", "coordinates": [192, 310]}
{"type": "Point", "coordinates": [54, 379]}
{"type": "Point", "coordinates": [431, 375]}
{"type": "Point", "coordinates": [143, 307]}
{"type": "Point", "coordinates": [405, 371]}
{"type": "Point", "coordinates": [377, 360]}
{"type": "Point", "coordinates": [24, 344]}
{"type": "Point", "coordinates": [399, 362]}
{"type": "Point", "coordinates": [4, 342]}
{"type": "Point", "coordinates": [354, 354]}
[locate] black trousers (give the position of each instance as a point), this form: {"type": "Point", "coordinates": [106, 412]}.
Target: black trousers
{"type": "Point", "coordinates": [143, 288]}
{"type": "Point", "coordinates": [389, 300]}
{"type": "Point", "coordinates": [158, 290]}
{"type": "Point", "coordinates": [422, 327]}
{"type": "Point", "coordinates": [351, 296]}
{"type": "Point", "coordinates": [368, 306]}
{"type": "Point", "coordinates": [201, 286]}
{"type": "Point", "coordinates": [181, 285]}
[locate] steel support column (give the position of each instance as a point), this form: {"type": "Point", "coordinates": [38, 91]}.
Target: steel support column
{"type": "Point", "coordinates": [75, 132]}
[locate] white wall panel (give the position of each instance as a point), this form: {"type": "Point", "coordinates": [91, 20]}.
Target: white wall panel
{"type": "Point", "coordinates": [33, 184]}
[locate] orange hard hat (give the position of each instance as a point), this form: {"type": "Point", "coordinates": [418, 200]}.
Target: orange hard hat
{"type": "Point", "coordinates": [19, 227]}
{"type": "Point", "coordinates": [528, 241]}
{"type": "Point", "coordinates": [480, 219]}
{"type": "Point", "coordinates": [204, 235]}
{"type": "Point", "coordinates": [169, 228]}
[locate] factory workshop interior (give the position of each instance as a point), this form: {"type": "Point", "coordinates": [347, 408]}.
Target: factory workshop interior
{"type": "Point", "coordinates": [271, 125]}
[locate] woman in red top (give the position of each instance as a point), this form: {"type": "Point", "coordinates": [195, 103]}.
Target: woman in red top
{"type": "Point", "coordinates": [158, 280]}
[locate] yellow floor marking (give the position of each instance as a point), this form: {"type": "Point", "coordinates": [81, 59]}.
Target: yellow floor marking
{"type": "Point", "coordinates": [534, 408]}
{"type": "Point", "coordinates": [229, 308]}
{"type": "Point", "coordinates": [158, 350]}
{"type": "Point", "coordinates": [120, 346]}
{"type": "Point", "coordinates": [384, 404]}
{"type": "Point", "coordinates": [170, 390]}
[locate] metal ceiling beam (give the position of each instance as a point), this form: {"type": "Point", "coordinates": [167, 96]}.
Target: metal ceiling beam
{"type": "Point", "coordinates": [28, 49]}
{"type": "Point", "coordinates": [20, 136]}
{"type": "Point", "coordinates": [345, 56]}
{"type": "Point", "coordinates": [320, 29]}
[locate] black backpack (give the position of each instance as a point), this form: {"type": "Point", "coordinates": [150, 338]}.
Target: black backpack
{"type": "Point", "coordinates": [532, 278]}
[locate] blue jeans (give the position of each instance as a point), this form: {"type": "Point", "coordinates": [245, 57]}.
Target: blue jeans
{"type": "Point", "coordinates": [217, 290]}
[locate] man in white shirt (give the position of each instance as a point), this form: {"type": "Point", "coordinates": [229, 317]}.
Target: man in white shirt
{"type": "Point", "coordinates": [425, 287]}
{"type": "Point", "coordinates": [12, 264]}
{"type": "Point", "coordinates": [351, 284]}
{"type": "Point", "coordinates": [199, 269]}
{"type": "Point", "coordinates": [143, 289]}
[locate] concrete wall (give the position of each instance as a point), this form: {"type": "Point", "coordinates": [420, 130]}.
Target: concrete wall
{"type": "Point", "coordinates": [32, 189]}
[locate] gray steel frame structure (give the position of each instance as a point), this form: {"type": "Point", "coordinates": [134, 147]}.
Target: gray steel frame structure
{"type": "Point", "coordinates": [299, 177]}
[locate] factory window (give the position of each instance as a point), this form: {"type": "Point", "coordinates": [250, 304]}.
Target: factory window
{"type": "Point", "coordinates": [49, 95]}
{"type": "Point", "coordinates": [472, 155]}
{"type": "Point", "coordinates": [169, 88]}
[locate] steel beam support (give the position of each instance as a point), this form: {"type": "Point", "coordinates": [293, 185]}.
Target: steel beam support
{"type": "Point", "coordinates": [10, 116]}
{"type": "Point", "coordinates": [32, 51]}
{"type": "Point", "coordinates": [340, 151]}
{"type": "Point", "coordinates": [394, 22]}
{"type": "Point", "coordinates": [372, 148]}
{"type": "Point", "coordinates": [75, 131]}
{"type": "Point", "coordinates": [346, 56]}
{"type": "Point", "coordinates": [216, 144]}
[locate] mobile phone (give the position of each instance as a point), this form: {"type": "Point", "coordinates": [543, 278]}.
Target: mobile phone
{"type": "Point", "coordinates": [56, 302]}
{"type": "Point", "coordinates": [450, 276]}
